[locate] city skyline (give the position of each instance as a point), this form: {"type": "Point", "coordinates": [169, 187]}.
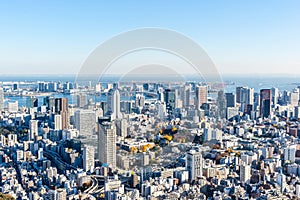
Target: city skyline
{"type": "Point", "coordinates": [240, 37]}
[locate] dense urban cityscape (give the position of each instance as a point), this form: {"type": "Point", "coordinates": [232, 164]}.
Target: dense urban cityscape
{"type": "Point", "coordinates": [144, 140]}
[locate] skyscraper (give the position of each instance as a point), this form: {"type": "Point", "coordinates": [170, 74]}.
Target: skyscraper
{"type": "Point", "coordinates": [61, 107]}
{"type": "Point", "coordinates": [194, 164]}
{"type": "Point", "coordinates": [33, 129]}
{"type": "Point", "coordinates": [81, 100]}
{"type": "Point", "coordinates": [221, 102]}
{"type": "Point", "coordinates": [88, 158]}
{"type": "Point", "coordinates": [107, 143]}
{"type": "Point", "coordinates": [230, 99]}
{"type": "Point", "coordinates": [85, 122]}
{"type": "Point", "coordinates": [1, 100]}
{"type": "Point", "coordinates": [170, 97]}
{"type": "Point", "coordinates": [57, 122]}
{"type": "Point", "coordinates": [244, 96]}
{"type": "Point", "coordinates": [201, 96]}
{"type": "Point", "coordinates": [116, 112]}
{"type": "Point", "coordinates": [265, 102]}
{"type": "Point", "coordinates": [185, 94]}
{"type": "Point", "coordinates": [245, 173]}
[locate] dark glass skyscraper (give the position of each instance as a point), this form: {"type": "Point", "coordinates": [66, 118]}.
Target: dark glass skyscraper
{"type": "Point", "coordinates": [265, 102]}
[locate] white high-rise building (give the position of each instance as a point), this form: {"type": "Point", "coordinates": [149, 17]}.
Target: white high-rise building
{"type": "Point", "coordinates": [85, 122]}
{"type": "Point", "coordinates": [98, 87]}
{"type": "Point", "coordinates": [57, 122]}
{"type": "Point", "coordinates": [185, 94]}
{"type": "Point", "coordinates": [88, 158]}
{"type": "Point", "coordinates": [33, 129]}
{"type": "Point", "coordinates": [245, 173]}
{"type": "Point", "coordinates": [107, 143]}
{"type": "Point", "coordinates": [290, 153]}
{"type": "Point", "coordinates": [194, 164]}
{"type": "Point", "coordinates": [13, 107]}
{"type": "Point", "coordinates": [116, 112]}
{"type": "Point", "coordinates": [1, 100]}
{"type": "Point", "coordinates": [81, 100]}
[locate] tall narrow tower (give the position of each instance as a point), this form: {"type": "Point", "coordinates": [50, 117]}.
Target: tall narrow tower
{"type": "Point", "coordinates": [107, 143]}
{"type": "Point", "coordinates": [116, 113]}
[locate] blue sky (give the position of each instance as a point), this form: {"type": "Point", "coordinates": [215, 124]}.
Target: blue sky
{"type": "Point", "coordinates": [55, 37]}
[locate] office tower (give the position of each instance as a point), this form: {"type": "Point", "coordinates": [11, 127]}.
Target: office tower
{"type": "Point", "coordinates": [139, 100]}
{"type": "Point", "coordinates": [290, 153]}
{"type": "Point", "coordinates": [41, 87]}
{"type": "Point", "coordinates": [230, 99]}
{"type": "Point", "coordinates": [121, 126]}
{"type": "Point", "coordinates": [57, 122]}
{"type": "Point", "coordinates": [221, 103]}
{"type": "Point", "coordinates": [265, 102]}
{"type": "Point", "coordinates": [170, 96]}
{"type": "Point", "coordinates": [1, 100]}
{"type": "Point", "coordinates": [244, 96]}
{"type": "Point", "coordinates": [194, 164]}
{"type": "Point", "coordinates": [107, 143]}
{"type": "Point", "coordinates": [32, 102]}
{"type": "Point", "coordinates": [13, 107]}
{"type": "Point", "coordinates": [15, 86]}
{"type": "Point", "coordinates": [33, 129]}
{"type": "Point", "coordinates": [185, 94]}
{"type": "Point", "coordinates": [88, 158]}
{"type": "Point", "coordinates": [256, 101]}
{"type": "Point", "coordinates": [109, 102]}
{"type": "Point", "coordinates": [52, 87]}
{"type": "Point", "coordinates": [81, 100]}
{"type": "Point", "coordinates": [116, 112]}
{"type": "Point", "coordinates": [85, 122]}
{"type": "Point", "coordinates": [294, 98]}
{"type": "Point", "coordinates": [200, 96]}
{"type": "Point", "coordinates": [275, 95]}
{"type": "Point", "coordinates": [245, 173]}
{"type": "Point", "coordinates": [98, 88]}
{"type": "Point", "coordinates": [61, 107]}
{"type": "Point", "coordinates": [232, 112]}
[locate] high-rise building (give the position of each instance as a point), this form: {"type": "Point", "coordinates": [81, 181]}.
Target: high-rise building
{"type": "Point", "coordinates": [32, 102]}
{"type": "Point", "coordinates": [290, 153]}
{"type": "Point", "coordinates": [230, 99]}
{"type": "Point", "coordinates": [245, 173]}
{"type": "Point", "coordinates": [61, 107]}
{"type": "Point", "coordinates": [170, 97]}
{"type": "Point", "coordinates": [98, 87]}
{"type": "Point", "coordinates": [294, 98]}
{"type": "Point", "coordinates": [194, 164]}
{"type": "Point", "coordinates": [57, 122]}
{"type": "Point", "coordinates": [85, 122]}
{"type": "Point", "coordinates": [107, 143]}
{"type": "Point", "coordinates": [13, 107]}
{"type": "Point", "coordinates": [201, 96]}
{"type": "Point", "coordinates": [265, 102]}
{"type": "Point", "coordinates": [88, 158]}
{"type": "Point", "coordinates": [244, 96]}
{"type": "Point", "coordinates": [221, 102]}
{"type": "Point", "coordinates": [185, 94]}
{"type": "Point", "coordinates": [81, 100]}
{"type": "Point", "coordinates": [121, 127]}
{"type": "Point", "coordinates": [1, 100]}
{"type": "Point", "coordinates": [33, 129]}
{"type": "Point", "coordinates": [275, 95]}
{"type": "Point", "coordinates": [116, 111]}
